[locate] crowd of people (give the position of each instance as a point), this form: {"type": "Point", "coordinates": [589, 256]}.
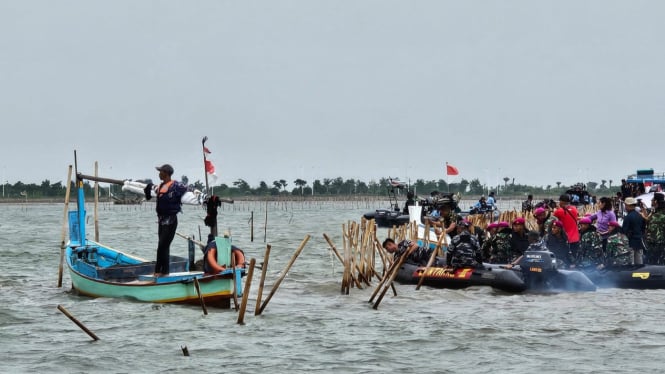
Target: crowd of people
{"type": "Point", "coordinates": [593, 241]}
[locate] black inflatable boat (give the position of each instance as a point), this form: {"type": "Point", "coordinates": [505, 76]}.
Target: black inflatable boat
{"type": "Point", "coordinates": [537, 272]}
{"type": "Point", "coordinates": [629, 276]}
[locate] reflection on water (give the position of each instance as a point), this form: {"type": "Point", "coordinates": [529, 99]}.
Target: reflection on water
{"type": "Point", "coordinates": [308, 325]}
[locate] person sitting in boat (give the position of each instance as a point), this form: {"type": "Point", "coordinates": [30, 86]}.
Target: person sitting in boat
{"type": "Point", "coordinates": [486, 245]}
{"type": "Point", "coordinates": [544, 219]}
{"type": "Point", "coordinates": [491, 202]}
{"type": "Point", "coordinates": [416, 255]}
{"type": "Point", "coordinates": [480, 206]}
{"type": "Point", "coordinates": [464, 250]}
{"type": "Point", "coordinates": [590, 255]}
{"type": "Point", "coordinates": [446, 221]}
{"type": "Point", "coordinates": [557, 243]}
{"type": "Point", "coordinates": [210, 263]}
{"type": "Point", "coordinates": [519, 237]}
{"type": "Point", "coordinates": [618, 250]}
{"type": "Point", "coordinates": [536, 243]}
{"type": "Point", "coordinates": [500, 248]}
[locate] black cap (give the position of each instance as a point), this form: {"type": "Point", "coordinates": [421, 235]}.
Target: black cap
{"type": "Point", "coordinates": [565, 198]}
{"type": "Point", "coordinates": [166, 168]}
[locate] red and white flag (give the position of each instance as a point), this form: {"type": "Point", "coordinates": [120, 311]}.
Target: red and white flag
{"type": "Point", "coordinates": [206, 150]}
{"type": "Point", "coordinates": [451, 170]}
{"type": "Point", "coordinates": [210, 168]}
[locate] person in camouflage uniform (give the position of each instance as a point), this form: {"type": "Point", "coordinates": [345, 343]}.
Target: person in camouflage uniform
{"type": "Point", "coordinates": [544, 218]}
{"type": "Point", "coordinates": [500, 248]}
{"type": "Point", "coordinates": [464, 249]}
{"type": "Point", "coordinates": [590, 254]}
{"type": "Point", "coordinates": [618, 250]}
{"type": "Point", "coordinates": [418, 255]}
{"type": "Point", "coordinates": [446, 221]}
{"type": "Point", "coordinates": [655, 233]}
{"type": "Point", "coordinates": [557, 242]}
{"type": "Point", "coordinates": [486, 246]}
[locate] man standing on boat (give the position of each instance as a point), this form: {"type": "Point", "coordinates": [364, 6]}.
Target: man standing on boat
{"type": "Point", "coordinates": [655, 233]}
{"type": "Point", "coordinates": [568, 215]}
{"type": "Point", "coordinates": [169, 194]}
{"type": "Point", "coordinates": [634, 226]}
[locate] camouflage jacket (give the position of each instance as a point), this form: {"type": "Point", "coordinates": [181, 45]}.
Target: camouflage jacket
{"type": "Point", "coordinates": [500, 248]}
{"type": "Point", "coordinates": [420, 256]}
{"type": "Point", "coordinates": [590, 253]}
{"type": "Point", "coordinates": [655, 234]}
{"type": "Point", "coordinates": [546, 226]}
{"type": "Point", "coordinates": [463, 250]}
{"type": "Point", "coordinates": [618, 251]}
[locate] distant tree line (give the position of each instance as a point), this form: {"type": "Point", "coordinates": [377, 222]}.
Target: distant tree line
{"type": "Point", "coordinates": [322, 187]}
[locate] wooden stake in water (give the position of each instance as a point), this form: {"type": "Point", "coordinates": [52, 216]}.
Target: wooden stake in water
{"type": "Point", "coordinates": [264, 269]}
{"type": "Point", "coordinates": [96, 213]}
{"type": "Point", "coordinates": [251, 228]}
{"type": "Point", "coordinates": [64, 225]}
{"type": "Point", "coordinates": [77, 322]}
{"type": "Point", "coordinates": [284, 272]}
{"type": "Point", "coordinates": [245, 293]}
{"type": "Point", "coordinates": [198, 292]}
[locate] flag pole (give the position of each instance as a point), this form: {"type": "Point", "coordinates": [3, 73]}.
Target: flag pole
{"type": "Point", "coordinates": [447, 177]}
{"type": "Point", "coordinates": [205, 172]}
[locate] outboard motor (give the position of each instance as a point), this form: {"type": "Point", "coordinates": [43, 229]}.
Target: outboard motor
{"type": "Point", "coordinates": [538, 267]}
{"type": "Point", "coordinates": [541, 274]}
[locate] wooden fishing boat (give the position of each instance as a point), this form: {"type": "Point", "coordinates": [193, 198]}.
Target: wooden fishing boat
{"type": "Point", "coordinates": [97, 270]}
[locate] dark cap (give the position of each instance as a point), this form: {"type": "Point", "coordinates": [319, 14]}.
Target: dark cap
{"type": "Point", "coordinates": [464, 223]}
{"type": "Point", "coordinates": [565, 198]}
{"type": "Point", "coordinates": [166, 168]}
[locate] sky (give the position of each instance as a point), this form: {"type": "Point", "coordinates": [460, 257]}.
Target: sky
{"type": "Point", "coordinates": [539, 91]}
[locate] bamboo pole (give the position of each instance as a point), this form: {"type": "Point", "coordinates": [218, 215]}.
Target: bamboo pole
{"type": "Point", "coordinates": [77, 322]}
{"type": "Point", "coordinates": [391, 278]}
{"type": "Point", "coordinates": [339, 257]}
{"type": "Point", "coordinates": [386, 276]}
{"type": "Point", "coordinates": [64, 226]}
{"type": "Point", "coordinates": [245, 293]}
{"type": "Point", "coordinates": [264, 269]}
{"type": "Point", "coordinates": [96, 204]}
{"type": "Point", "coordinates": [265, 224]}
{"type": "Point", "coordinates": [251, 228]}
{"type": "Point", "coordinates": [443, 239]}
{"type": "Point", "coordinates": [284, 272]}
{"type": "Point", "coordinates": [235, 284]}
{"type": "Point", "coordinates": [198, 292]}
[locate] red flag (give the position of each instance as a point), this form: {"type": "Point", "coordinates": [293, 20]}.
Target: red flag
{"type": "Point", "coordinates": [210, 168]}
{"type": "Point", "coordinates": [206, 150]}
{"type": "Point", "coordinates": [451, 170]}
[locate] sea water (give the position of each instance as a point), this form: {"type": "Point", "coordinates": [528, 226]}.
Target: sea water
{"type": "Point", "coordinates": [308, 325]}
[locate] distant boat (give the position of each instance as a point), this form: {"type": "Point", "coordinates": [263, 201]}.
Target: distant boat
{"type": "Point", "coordinates": [97, 270]}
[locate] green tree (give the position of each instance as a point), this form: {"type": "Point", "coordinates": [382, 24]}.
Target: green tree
{"type": "Point", "coordinates": [300, 183]}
